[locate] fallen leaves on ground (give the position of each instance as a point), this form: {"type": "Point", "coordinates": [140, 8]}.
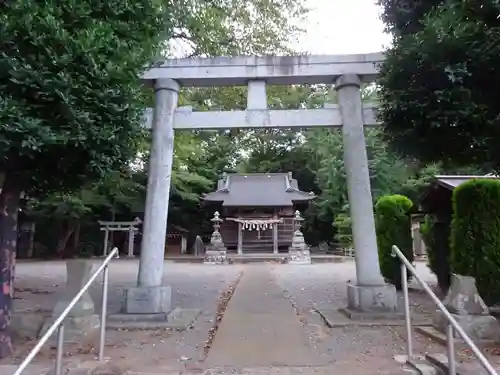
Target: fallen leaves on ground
{"type": "Point", "coordinates": [221, 309]}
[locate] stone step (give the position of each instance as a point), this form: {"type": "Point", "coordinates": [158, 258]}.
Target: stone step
{"type": "Point", "coordinates": [440, 361]}
{"type": "Point", "coordinates": [178, 319]}
{"type": "Point", "coordinates": [256, 257]}
{"type": "Point", "coordinates": [423, 367]}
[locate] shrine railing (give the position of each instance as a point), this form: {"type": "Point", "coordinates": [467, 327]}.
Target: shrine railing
{"type": "Point", "coordinates": [59, 323]}
{"type": "Point", "coordinates": [452, 327]}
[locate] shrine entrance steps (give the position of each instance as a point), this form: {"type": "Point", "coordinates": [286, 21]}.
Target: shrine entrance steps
{"type": "Point", "coordinates": [258, 248]}
{"type": "Point", "coordinates": [256, 258]}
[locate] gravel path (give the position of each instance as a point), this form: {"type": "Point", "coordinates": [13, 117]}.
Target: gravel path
{"type": "Point", "coordinates": [193, 286]}
{"type": "Point", "coordinates": [324, 287]}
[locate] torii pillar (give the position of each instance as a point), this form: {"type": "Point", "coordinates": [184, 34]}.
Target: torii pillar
{"type": "Point", "coordinates": [150, 296]}
{"type": "Point", "coordinates": [370, 294]}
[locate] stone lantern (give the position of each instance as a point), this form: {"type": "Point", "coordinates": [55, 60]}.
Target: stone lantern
{"type": "Point", "coordinates": [216, 252]}
{"type": "Point", "coordinates": [298, 252]}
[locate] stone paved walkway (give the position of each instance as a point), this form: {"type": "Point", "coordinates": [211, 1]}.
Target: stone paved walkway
{"type": "Point", "coordinates": [260, 327]}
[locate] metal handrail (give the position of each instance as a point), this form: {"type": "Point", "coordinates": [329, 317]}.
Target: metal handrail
{"type": "Point", "coordinates": [59, 323]}
{"type": "Point", "coordinates": [452, 323]}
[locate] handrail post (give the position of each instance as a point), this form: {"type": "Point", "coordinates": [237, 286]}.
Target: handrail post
{"type": "Point", "coordinates": [451, 320]}
{"type": "Point", "coordinates": [450, 343]}
{"type": "Point", "coordinates": [59, 349]}
{"type": "Point", "coordinates": [409, 338]}
{"type": "Point", "coordinates": [59, 322]}
{"type": "Point", "coordinates": [104, 312]}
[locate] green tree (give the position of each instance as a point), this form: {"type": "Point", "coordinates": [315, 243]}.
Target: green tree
{"type": "Point", "coordinates": [387, 172]}
{"type": "Point", "coordinates": [116, 193]}
{"type": "Point", "coordinates": [204, 28]}
{"type": "Point", "coordinates": [404, 17]}
{"type": "Point", "coordinates": [70, 102]}
{"type": "Point", "coordinates": [234, 27]}
{"type": "Point", "coordinates": [439, 84]}
{"type": "Point", "coordinates": [315, 157]}
{"type": "Point", "coordinates": [419, 180]}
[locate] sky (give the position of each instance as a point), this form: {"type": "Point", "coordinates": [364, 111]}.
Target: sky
{"type": "Point", "coordinates": [332, 27]}
{"type": "Point", "coordinates": [343, 27]}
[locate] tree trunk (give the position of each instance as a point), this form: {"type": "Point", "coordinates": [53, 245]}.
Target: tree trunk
{"type": "Point", "coordinates": [76, 236]}
{"type": "Point", "coordinates": [9, 207]}
{"type": "Point", "coordinates": [31, 246]}
{"type": "Point", "coordinates": [75, 240]}
{"type": "Point", "coordinates": [63, 240]}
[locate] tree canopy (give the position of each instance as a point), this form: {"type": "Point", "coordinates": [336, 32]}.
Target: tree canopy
{"type": "Point", "coordinates": [439, 84]}
{"type": "Point", "coordinates": [403, 17]}
{"type": "Point", "coordinates": [234, 27]}
{"type": "Point", "coordinates": [69, 94]}
{"type": "Point", "coordinates": [70, 103]}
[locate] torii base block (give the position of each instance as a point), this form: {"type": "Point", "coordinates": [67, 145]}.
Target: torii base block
{"type": "Point", "coordinates": [148, 300]}
{"type": "Point", "coordinates": [370, 302]}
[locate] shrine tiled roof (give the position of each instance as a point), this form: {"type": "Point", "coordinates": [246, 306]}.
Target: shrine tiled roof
{"type": "Point", "coordinates": [258, 189]}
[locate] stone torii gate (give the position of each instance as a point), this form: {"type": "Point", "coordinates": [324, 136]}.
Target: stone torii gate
{"type": "Point", "coordinates": [369, 294]}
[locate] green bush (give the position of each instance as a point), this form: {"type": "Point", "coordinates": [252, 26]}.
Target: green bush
{"type": "Point", "coordinates": [392, 222]}
{"type": "Point", "coordinates": [436, 237]}
{"type": "Point", "coordinates": [475, 235]}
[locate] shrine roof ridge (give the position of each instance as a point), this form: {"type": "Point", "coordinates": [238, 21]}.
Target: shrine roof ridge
{"type": "Point", "coordinates": [277, 70]}
{"type": "Point", "coordinates": [257, 189]}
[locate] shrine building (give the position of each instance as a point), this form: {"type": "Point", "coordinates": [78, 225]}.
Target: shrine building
{"type": "Point", "coordinates": [258, 210]}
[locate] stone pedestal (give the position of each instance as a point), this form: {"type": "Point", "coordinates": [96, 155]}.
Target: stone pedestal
{"type": "Point", "coordinates": [148, 300]}
{"type": "Point", "coordinates": [477, 327]}
{"type": "Point", "coordinates": [82, 319]}
{"type": "Point", "coordinates": [299, 252]}
{"type": "Point", "coordinates": [298, 256]}
{"type": "Point", "coordinates": [216, 252]}
{"type": "Point", "coordinates": [215, 257]}
{"type": "Point", "coordinates": [373, 301]}
{"type": "Point", "coordinates": [468, 308]}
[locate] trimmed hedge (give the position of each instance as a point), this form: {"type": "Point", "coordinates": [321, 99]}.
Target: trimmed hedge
{"type": "Point", "coordinates": [436, 237]}
{"type": "Point", "coordinates": [475, 235]}
{"type": "Point", "coordinates": [393, 227]}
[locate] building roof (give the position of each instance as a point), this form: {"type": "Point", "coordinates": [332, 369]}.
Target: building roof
{"type": "Point", "coordinates": [258, 189]}
{"type": "Point", "coordinates": [438, 193]}
{"type": "Point", "coordinates": [451, 182]}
